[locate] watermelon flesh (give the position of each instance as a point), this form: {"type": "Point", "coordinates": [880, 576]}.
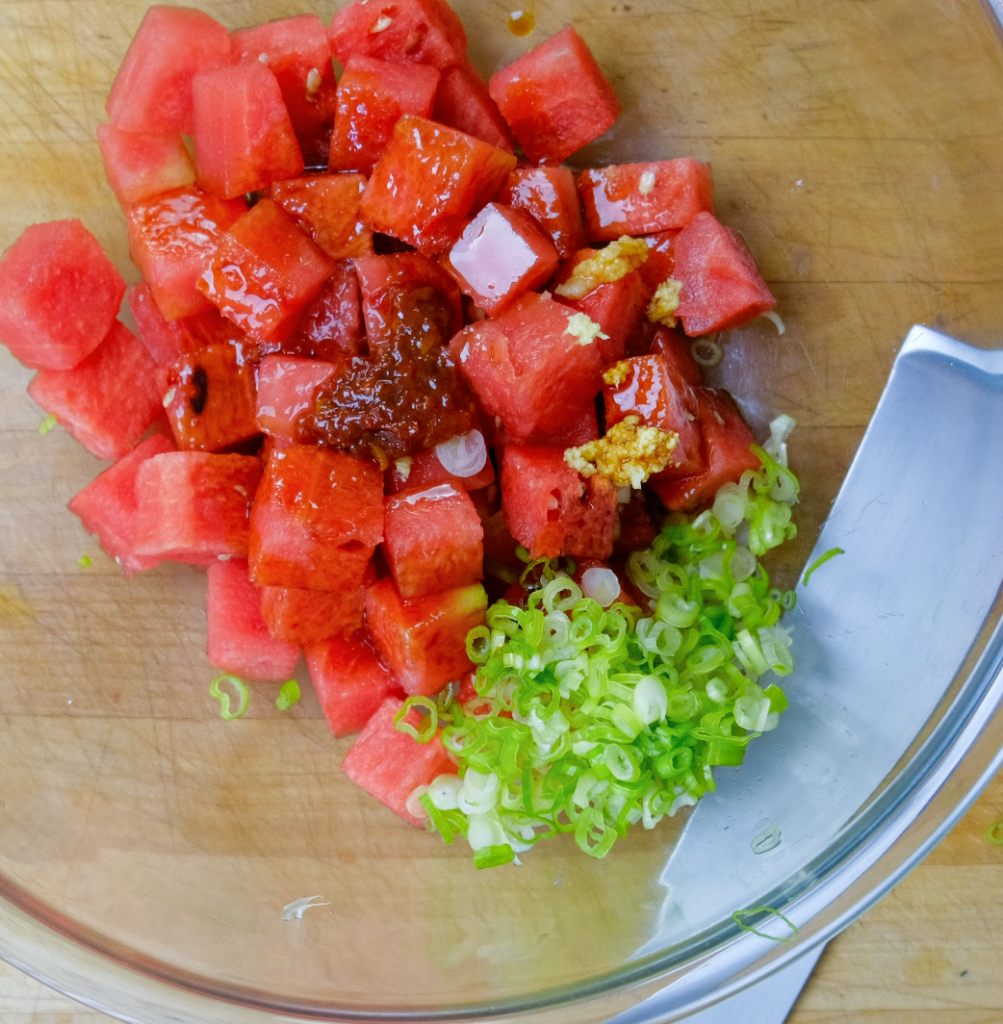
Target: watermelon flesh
{"type": "Point", "coordinates": [140, 166]}
{"type": "Point", "coordinates": [193, 506]}
{"type": "Point", "coordinates": [286, 386]}
{"type": "Point", "coordinates": [164, 341]}
{"type": "Point", "coordinates": [464, 103]}
{"type": "Point", "coordinates": [350, 681]}
{"type": "Point", "coordinates": [152, 91]}
{"type": "Point", "coordinates": [675, 349]}
{"type": "Point", "coordinates": [331, 326]}
{"type": "Point", "coordinates": [309, 616]}
{"type": "Point", "coordinates": [59, 295]}
{"type": "Point", "coordinates": [391, 765]}
{"type": "Point", "coordinates": [550, 196]}
{"type": "Point", "coordinates": [433, 540]}
{"type": "Point", "coordinates": [107, 506]}
{"type": "Point", "coordinates": [108, 400]}
{"type": "Point", "coordinates": [555, 98]}
{"type": "Point", "coordinates": [424, 641]}
{"type": "Point", "coordinates": [316, 520]}
{"type": "Point", "coordinates": [326, 207]}
{"type": "Point", "coordinates": [239, 641]}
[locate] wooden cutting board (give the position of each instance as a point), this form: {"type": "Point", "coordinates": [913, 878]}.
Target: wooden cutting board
{"type": "Point", "coordinates": [857, 145]}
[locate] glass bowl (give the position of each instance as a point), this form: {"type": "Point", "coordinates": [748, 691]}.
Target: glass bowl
{"type": "Point", "coordinates": [147, 848]}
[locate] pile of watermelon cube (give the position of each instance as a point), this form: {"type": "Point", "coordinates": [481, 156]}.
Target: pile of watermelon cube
{"type": "Point", "coordinates": [275, 215]}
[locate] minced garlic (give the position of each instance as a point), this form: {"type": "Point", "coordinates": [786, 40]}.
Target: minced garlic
{"type": "Point", "coordinates": [617, 260]}
{"type": "Point", "coordinates": [665, 302]}
{"type": "Point", "coordinates": [616, 374]}
{"type": "Point", "coordinates": [584, 328]}
{"type": "Point", "coordinates": [627, 455]}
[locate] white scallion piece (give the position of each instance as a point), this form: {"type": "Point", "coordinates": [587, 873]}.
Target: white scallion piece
{"type": "Point", "coordinates": [464, 455]}
{"type": "Point", "coordinates": [601, 585]}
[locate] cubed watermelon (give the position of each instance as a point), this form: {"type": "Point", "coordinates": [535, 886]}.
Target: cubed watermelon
{"type": "Point", "coordinates": [316, 520]}
{"type": "Point", "coordinates": [660, 264]}
{"type": "Point", "coordinates": [641, 199]}
{"type": "Point", "coordinates": [140, 166]}
{"type": "Point", "coordinates": [527, 368]}
{"type": "Point", "coordinates": [386, 283]}
{"type": "Point", "coordinates": [424, 642]}
{"type": "Point", "coordinates": [573, 433]}
{"type": "Point", "coordinates": [239, 641]}
{"type": "Point", "coordinates": [722, 288]}
{"type": "Point", "coordinates": [372, 97]}
{"type": "Point", "coordinates": [637, 530]}
{"type": "Point", "coordinates": [550, 196]}
{"type": "Point", "coordinates": [244, 139]}
{"type": "Point", "coordinates": [265, 272]}
{"type": "Point", "coordinates": [286, 387]}
{"type": "Point", "coordinates": [210, 400]}
{"type": "Point", "coordinates": [193, 506]}
{"type": "Point", "coordinates": [164, 341]}
{"type": "Point", "coordinates": [309, 616]}
{"type": "Point", "coordinates": [426, 470]}
{"type": "Point", "coordinates": [107, 506]}
{"type": "Point", "coordinates": [326, 207]}
{"type": "Point", "coordinates": [391, 765]}
{"type": "Point", "coordinates": [647, 387]}
{"type": "Point", "coordinates": [555, 98]}
{"type": "Point", "coordinates": [211, 328]}
{"type": "Point", "coordinates": [429, 181]}
{"type": "Point", "coordinates": [433, 540]}
{"type": "Point", "coordinates": [675, 348]}
{"type": "Point", "coordinates": [350, 681]}
{"type": "Point", "coordinates": [152, 91]}
{"type": "Point", "coordinates": [106, 401]}
{"type": "Point", "coordinates": [464, 103]}
{"type": "Point", "coordinates": [59, 295]}
{"type": "Point", "coordinates": [415, 31]}
{"type": "Point", "coordinates": [297, 52]}
{"type": "Point", "coordinates": [502, 254]}
{"type": "Point", "coordinates": [726, 443]}
{"type": "Point", "coordinates": [172, 238]}
{"type": "Point", "coordinates": [551, 510]}
{"type": "Point", "coordinates": [331, 326]}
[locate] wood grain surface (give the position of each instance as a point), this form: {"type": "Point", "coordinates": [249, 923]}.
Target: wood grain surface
{"type": "Point", "coordinates": [858, 147]}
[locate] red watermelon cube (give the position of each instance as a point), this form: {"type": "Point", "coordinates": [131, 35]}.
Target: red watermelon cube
{"type": "Point", "coordinates": [326, 207]}
{"type": "Point", "coordinates": [527, 368]}
{"type": "Point", "coordinates": [140, 166]}
{"type": "Point", "coordinates": [502, 254]}
{"type": "Point", "coordinates": [384, 281]}
{"type": "Point", "coordinates": [722, 288]}
{"type": "Point", "coordinates": [286, 387]}
{"type": "Point", "coordinates": [107, 401]}
{"type": "Point", "coordinates": [412, 31]}
{"type": "Point", "coordinates": [573, 433]}
{"type": "Point", "coordinates": [244, 139]}
{"type": "Point", "coordinates": [193, 506]}
{"type": "Point", "coordinates": [426, 470]}
{"type": "Point", "coordinates": [107, 506]}
{"type": "Point", "coordinates": [265, 272]}
{"type": "Point", "coordinates": [59, 295]}
{"type": "Point", "coordinates": [297, 52]}
{"type": "Point", "coordinates": [661, 263]}
{"type": "Point", "coordinates": [372, 97]}
{"type": "Point", "coordinates": [555, 98]}
{"type": "Point", "coordinates": [429, 181]}
{"type": "Point", "coordinates": [350, 681]}
{"type": "Point", "coordinates": [239, 641]}
{"type": "Point", "coordinates": [391, 765]}
{"type": "Point", "coordinates": [316, 520]}
{"type": "Point", "coordinates": [172, 238]}
{"type": "Point", "coordinates": [433, 540]}
{"type": "Point", "coordinates": [152, 91]}
{"type": "Point", "coordinates": [675, 348]}
{"type": "Point", "coordinates": [550, 196]}
{"type": "Point", "coordinates": [551, 510]}
{"type": "Point", "coordinates": [309, 616]}
{"type": "Point", "coordinates": [726, 442]}
{"type": "Point", "coordinates": [331, 326]}
{"type": "Point", "coordinates": [641, 199]}
{"type": "Point", "coordinates": [210, 400]}
{"type": "Point", "coordinates": [164, 341]}
{"type": "Point", "coordinates": [647, 387]}
{"type": "Point", "coordinates": [464, 103]}
{"type": "Point", "coordinates": [424, 641]}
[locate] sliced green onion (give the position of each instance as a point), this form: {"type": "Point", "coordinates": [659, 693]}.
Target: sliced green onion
{"type": "Point", "coordinates": [288, 695]}
{"type": "Point", "coordinates": [994, 834]}
{"type": "Point", "coordinates": [493, 856]}
{"type": "Point", "coordinates": [47, 424]}
{"type": "Point", "coordinates": [85, 561]}
{"type": "Point", "coordinates": [820, 561]}
{"type": "Point", "coordinates": [226, 711]}
{"type": "Point", "coordinates": [739, 918]}
{"type": "Point", "coordinates": [429, 723]}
